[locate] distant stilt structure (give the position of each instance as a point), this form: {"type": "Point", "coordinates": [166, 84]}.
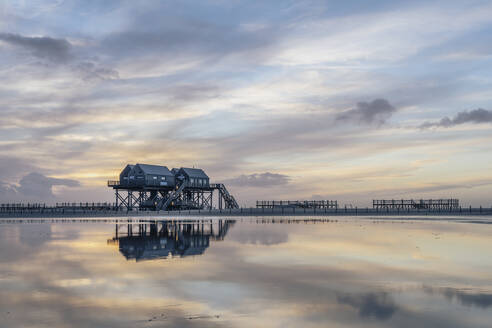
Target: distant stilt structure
{"type": "Point", "coordinates": [438, 204]}
{"type": "Point", "coordinates": [297, 204]}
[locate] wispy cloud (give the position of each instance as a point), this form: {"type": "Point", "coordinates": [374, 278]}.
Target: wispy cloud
{"type": "Point", "coordinates": [266, 179]}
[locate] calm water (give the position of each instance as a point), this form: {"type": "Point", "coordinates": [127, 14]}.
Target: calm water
{"type": "Point", "coordinates": [243, 273]}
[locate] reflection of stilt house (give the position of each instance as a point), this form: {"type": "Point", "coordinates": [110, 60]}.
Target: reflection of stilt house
{"type": "Point", "coordinates": [160, 240]}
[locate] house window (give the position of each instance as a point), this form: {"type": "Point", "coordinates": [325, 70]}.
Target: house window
{"type": "Point", "coordinates": [192, 181]}
{"type": "Point", "coordinates": [155, 178]}
{"type": "Point", "coordinates": [163, 178]}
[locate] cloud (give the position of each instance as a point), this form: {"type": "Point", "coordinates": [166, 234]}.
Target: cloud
{"type": "Point", "coordinates": [14, 168]}
{"type": "Point", "coordinates": [475, 116]}
{"type": "Point", "coordinates": [34, 187]}
{"type": "Point", "coordinates": [60, 51]}
{"type": "Point", "coordinates": [186, 36]}
{"type": "Point", "coordinates": [266, 179]}
{"type": "Point", "coordinates": [374, 112]}
{"type": "Point", "coordinates": [91, 71]}
{"type": "Point", "coordinates": [55, 50]}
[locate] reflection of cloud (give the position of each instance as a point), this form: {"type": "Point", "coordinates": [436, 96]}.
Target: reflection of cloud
{"type": "Point", "coordinates": [20, 243]}
{"type": "Point", "coordinates": [261, 236]}
{"type": "Point", "coordinates": [466, 298]}
{"type": "Point", "coordinates": [377, 305]}
{"type": "Point", "coordinates": [252, 286]}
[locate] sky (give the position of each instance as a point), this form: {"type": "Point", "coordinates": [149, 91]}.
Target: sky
{"type": "Point", "coordinates": [348, 101]}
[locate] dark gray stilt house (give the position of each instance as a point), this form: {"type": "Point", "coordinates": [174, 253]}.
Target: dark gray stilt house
{"type": "Point", "coordinates": [195, 178]}
{"type": "Point", "coordinates": [153, 175]}
{"type": "Point", "coordinates": [155, 187]}
{"type": "Point", "coordinates": [125, 175]}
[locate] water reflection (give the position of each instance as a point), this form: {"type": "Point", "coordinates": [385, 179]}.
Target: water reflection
{"type": "Point", "coordinates": [464, 297]}
{"type": "Point", "coordinates": [161, 239]}
{"type": "Point", "coordinates": [248, 273]}
{"type": "Point", "coordinates": [377, 305]}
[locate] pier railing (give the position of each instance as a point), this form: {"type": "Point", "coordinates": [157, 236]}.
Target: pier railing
{"type": "Point", "coordinates": [33, 208]}
{"type": "Point", "coordinates": [416, 203]}
{"type": "Point", "coordinates": [296, 203]}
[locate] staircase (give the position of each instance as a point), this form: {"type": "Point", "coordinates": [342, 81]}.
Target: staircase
{"type": "Point", "coordinates": [229, 200]}
{"type": "Point", "coordinates": [165, 202]}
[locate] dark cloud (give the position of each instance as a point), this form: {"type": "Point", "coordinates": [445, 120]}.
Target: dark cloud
{"type": "Point", "coordinates": [60, 51]}
{"type": "Point", "coordinates": [91, 71]}
{"type": "Point", "coordinates": [187, 36]}
{"type": "Point", "coordinates": [376, 305]}
{"type": "Point", "coordinates": [14, 168]}
{"type": "Point", "coordinates": [266, 179]}
{"type": "Point", "coordinates": [34, 187]}
{"type": "Point", "coordinates": [374, 112]}
{"type": "Point", "coordinates": [55, 50]}
{"type": "Point", "coordinates": [38, 185]}
{"type": "Point", "coordinates": [475, 116]}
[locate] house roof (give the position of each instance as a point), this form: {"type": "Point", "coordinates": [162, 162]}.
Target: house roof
{"type": "Point", "coordinates": [155, 169]}
{"type": "Point", "coordinates": [127, 168]}
{"type": "Point", "coordinates": [194, 173]}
